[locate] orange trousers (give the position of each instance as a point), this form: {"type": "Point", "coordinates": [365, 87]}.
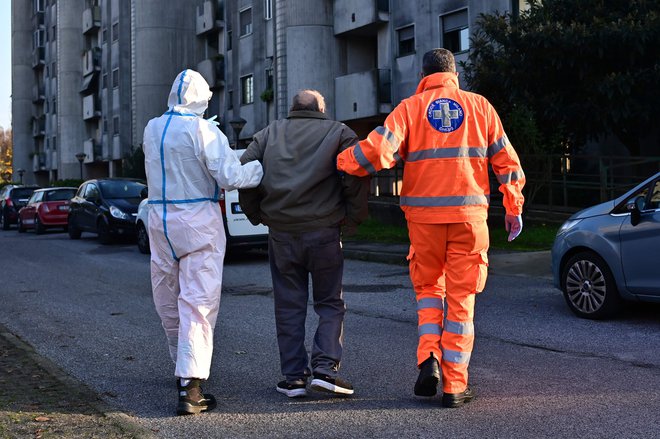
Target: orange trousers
{"type": "Point", "coordinates": [448, 266]}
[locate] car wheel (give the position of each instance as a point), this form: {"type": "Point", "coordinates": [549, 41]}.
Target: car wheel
{"type": "Point", "coordinates": [39, 227]}
{"type": "Point", "coordinates": [21, 227]}
{"type": "Point", "coordinates": [73, 229]}
{"type": "Point", "coordinates": [103, 230]}
{"type": "Point", "coordinates": [143, 238]}
{"type": "Point", "coordinates": [589, 287]}
{"type": "Point", "coordinates": [5, 222]}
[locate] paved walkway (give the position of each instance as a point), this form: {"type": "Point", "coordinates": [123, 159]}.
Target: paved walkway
{"type": "Point", "coordinates": [533, 264]}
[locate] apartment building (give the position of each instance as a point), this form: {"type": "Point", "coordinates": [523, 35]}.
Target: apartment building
{"type": "Point", "coordinates": [87, 75]}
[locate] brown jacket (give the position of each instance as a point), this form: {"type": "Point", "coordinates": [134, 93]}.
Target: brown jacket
{"type": "Point", "coordinates": [301, 189]}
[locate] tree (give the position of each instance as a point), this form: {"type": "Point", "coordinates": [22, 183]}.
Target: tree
{"type": "Point", "coordinates": [6, 152]}
{"type": "Point", "coordinates": [565, 72]}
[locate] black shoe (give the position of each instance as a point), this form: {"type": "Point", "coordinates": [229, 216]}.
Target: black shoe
{"type": "Point", "coordinates": [453, 400]}
{"type": "Point", "coordinates": [429, 376]}
{"type": "Point", "coordinates": [325, 383]}
{"type": "Point", "coordinates": [191, 398]}
{"type": "Point", "coordinates": [292, 389]}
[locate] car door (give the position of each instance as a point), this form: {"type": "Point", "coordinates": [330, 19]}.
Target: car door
{"type": "Point", "coordinates": [640, 246]}
{"type": "Point", "coordinates": [28, 212]}
{"type": "Point", "coordinates": [89, 207]}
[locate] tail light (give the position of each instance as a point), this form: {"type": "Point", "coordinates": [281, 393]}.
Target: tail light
{"type": "Point", "coordinates": [8, 202]}
{"type": "Point", "coordinates": [221, 199]}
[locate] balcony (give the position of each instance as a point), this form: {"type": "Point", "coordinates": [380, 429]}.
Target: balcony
{"type": "Point", "coordinates": [38, 57]}
{"type": "Point", "coordinates": [91, 19]}
{"type": "Point", "coordinates": [213, 71]}
{"type": "Point", "coordinates": [38, 94]}
{"type": "Point", "coordinates": [38, 20]}
{"type": "Point", "coordinates": [91, 108]}
{"type": "Point", "coordinates": [92, 150]}
{"type": "Point", "coordinates": [364, 94]}
{"type": "Point", "coordinates": [206, 21]}
{"type": "Point", "coordinates": [38, 161]}
{"type": "Point", "coordinates": [39, 126]}
{"type": "Point", "coordinates": [360, 17]}
{"type": "Point", "coordinates": [91, 61]}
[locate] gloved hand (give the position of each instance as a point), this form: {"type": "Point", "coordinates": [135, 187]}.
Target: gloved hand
{"type": "Point", "coordinates": [513, 225]}
{"type": "Point", "coordinates": [213, 120]}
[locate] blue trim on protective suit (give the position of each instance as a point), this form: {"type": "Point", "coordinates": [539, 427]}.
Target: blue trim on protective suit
{"type": "Point", "coordinates": [162, 165]}
{"type": "Point", "coordinates": [187, 201]}
{"type": "Point", "coordinates": [176, 113]}
{"type": "Point", "coordinates": [178, 93]}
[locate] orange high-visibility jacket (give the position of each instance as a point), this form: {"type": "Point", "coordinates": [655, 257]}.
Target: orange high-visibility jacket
{"type": "Point", "coordinates": [446, 138]}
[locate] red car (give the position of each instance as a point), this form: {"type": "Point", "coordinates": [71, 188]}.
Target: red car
{"type": "Point", "coordinates": [46, 208]}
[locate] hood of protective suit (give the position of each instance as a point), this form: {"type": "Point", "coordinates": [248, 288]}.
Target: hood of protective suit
{"type": "Point", "coordinates": [190, 93]}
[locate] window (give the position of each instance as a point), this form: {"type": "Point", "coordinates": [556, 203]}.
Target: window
{"type": "Point", "coordinates": [53, 70]}
{"type": "Point", "coordinates": [115, 32]}
{"type": "Point", "coordinates": [54, 107]}
{"type": "Point", "coordinates": [104, 80]}
{"type": "Point", "coordinates": [268, 9]}
{"type": "Point", "coordinates": [115, 126]}
{"type": "Point", "coordinates": [115, 78]}
{"type": "Point", "coordinates": [39, 38]}
{"type": "Point", "coordinates": [245, 19]}
{"type": "Point", "coordinates": [655, 196]}
{"type": "Point", "coordinates": [406, 37]}
{"type": "Point", "coordinates": [228, 40]}
{"type": "Point", "coordinates": [54, 35]}
{"type": "Point", "coordinates": [247, 91]}
{"type": "Point", "coordinates": [455, 32]}
{"type": "Point", "coordinates": [104, 37]}
{"type": "Point", "coordinates": [230, 100]}
{"type": "Point", "coordinates": [105, 125]}
{"type": "Point", "coordinates": [38, 6]}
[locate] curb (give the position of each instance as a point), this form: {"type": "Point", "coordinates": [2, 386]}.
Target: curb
{"type": "Point", "coordinates": [124, 421]}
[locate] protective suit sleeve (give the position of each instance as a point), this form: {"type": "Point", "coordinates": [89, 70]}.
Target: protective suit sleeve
{"type": "Point", "coordinates": [381, 148]}
{"type": "Point", "coordinates": [222, 162]}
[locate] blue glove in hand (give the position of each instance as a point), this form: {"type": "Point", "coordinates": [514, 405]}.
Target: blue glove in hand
{"type": "Point", "coordinates": [213, 120]}
{"type": "Point", "coordinates": [513, 224]}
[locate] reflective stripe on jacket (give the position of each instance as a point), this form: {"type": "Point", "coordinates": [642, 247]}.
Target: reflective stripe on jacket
{"type": "Point", "coordinates": [446, 138]}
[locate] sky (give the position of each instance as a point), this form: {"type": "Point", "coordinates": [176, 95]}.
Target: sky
{"type": "Point", "coordinates": [5, 64]}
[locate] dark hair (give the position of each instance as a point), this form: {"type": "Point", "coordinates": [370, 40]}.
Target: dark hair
{"type": "Point", "coordinates": [438, 60]}
{"type": "Point", "coordinates": [308, 100]}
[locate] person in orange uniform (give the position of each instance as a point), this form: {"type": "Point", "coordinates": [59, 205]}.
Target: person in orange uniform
{"type": "Point", "coordinates": [446, 138]}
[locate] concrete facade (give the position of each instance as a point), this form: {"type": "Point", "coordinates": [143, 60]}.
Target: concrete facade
{"type": "Point", "coordinates": [87, 75]}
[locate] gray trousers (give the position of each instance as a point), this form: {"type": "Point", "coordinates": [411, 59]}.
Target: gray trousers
{"type": "Point", "coordinates": [293, 257]}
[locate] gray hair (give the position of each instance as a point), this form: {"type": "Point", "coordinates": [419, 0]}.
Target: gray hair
{"type": "Point", "coordinates": [308, 100]}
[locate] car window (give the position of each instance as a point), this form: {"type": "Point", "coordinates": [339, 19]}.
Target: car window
{"type": "Point", "coordinates": [34, 198]}
{"type": "Point", "coordinates": [20, 193]}
{"type": "Point", "coordinates": [60, 195]}
{"type": "Point", "coordinates": [121, 189]}
{"type": "Point", "coordinates": [91, 192]}
{"type": "Point", "coordinates": [654, 202]}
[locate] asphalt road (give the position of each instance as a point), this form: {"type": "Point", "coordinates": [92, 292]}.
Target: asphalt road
{"type": "Point", "coordinates": [538, 371]}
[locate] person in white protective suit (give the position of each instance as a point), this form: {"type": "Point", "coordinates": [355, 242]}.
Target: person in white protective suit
{"type": "Point", "coordinates": [187, 161]}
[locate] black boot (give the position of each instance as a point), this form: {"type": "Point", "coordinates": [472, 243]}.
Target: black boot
{"type": "Point", "coordinates": [191, 398]}
{"type": "Point", "coordinates": [429, 376]}
{"type": "Point", "coordinates": [453, 400]}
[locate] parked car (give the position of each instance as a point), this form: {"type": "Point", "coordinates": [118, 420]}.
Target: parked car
{"type": "Point", "coordinates": [46, 208]}
{"type": "Point", "coordinates": [240, 232]}
{"type": "Point", "coordinates": [611, 252]}
{"type": "Point", "coordinates": [12, 199]}
{"type": "Point", "coordinates": [105, 206]}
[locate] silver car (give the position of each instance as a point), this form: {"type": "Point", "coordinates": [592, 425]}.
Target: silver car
{"type": "Point", "coordinates": [611, 252]}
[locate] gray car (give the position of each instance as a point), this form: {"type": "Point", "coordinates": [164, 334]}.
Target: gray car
{"type": "Point", "coordinates": [611, 252]}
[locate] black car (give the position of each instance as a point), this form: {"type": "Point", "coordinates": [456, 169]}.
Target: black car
{"type": "Point", "coordinates": [12, 199]}
{"type": "Point", "coordinates": [105, 206]}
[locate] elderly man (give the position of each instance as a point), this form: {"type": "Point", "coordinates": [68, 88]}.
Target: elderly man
{"type": "Point", "coordinates": [304, 200]}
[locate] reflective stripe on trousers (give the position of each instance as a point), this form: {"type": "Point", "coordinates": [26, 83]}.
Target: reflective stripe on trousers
{"type": "Point", "coordinates": [448, 265]}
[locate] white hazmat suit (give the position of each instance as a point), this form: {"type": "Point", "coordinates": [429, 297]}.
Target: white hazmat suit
{"type": "Point", "coordinates": [187, 161]}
